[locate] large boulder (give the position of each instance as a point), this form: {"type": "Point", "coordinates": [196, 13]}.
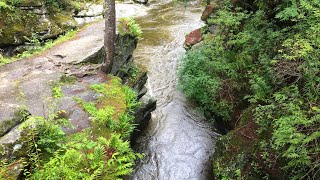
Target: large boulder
{"type": "Point", "coordinates": [193, 38]}
{"type": "Point", "coordinates": [207, 12]}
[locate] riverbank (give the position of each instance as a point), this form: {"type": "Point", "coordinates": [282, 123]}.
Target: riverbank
{"type": "Point", "coordinates": [63, 87]}
{"type": "Point", "coordinates": [255, 75]}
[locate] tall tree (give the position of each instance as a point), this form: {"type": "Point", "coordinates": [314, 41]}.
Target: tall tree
{"type": "Point", "coordinates": [110, 35]}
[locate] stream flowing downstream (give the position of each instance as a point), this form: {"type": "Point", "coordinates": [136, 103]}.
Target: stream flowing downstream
{"type": "Point", "coordinates": [178, 142]}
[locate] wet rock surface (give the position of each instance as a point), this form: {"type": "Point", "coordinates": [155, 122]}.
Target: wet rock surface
{"type": "Point", "coordinates": [143, 115]}
{"type": "Point", "coordinates": [28, 83]}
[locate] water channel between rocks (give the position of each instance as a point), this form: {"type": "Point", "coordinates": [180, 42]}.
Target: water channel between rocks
{"type": "Point", "coordinates": [178, 142]}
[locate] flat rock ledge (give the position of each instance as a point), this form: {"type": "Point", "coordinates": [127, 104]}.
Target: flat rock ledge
{"type": "Point", "coordinates": [26, 85]}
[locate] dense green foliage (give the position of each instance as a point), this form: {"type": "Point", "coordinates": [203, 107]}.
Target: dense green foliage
{"type": "Point", "coordinates": [265, 55]}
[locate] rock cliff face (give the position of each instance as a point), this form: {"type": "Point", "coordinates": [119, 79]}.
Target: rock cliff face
{"type": "Point", "coordinates": [91, 13]}
{"type": "Point", "coordinates": [32, 19]}
{"type": "Point", "coordinates": [26, 21]}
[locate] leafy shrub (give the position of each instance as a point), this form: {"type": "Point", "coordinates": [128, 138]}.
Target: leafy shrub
{"type": "Point", "coordinates": [88, 159]}
{"type": "Point", "coordinates": [294, 133]}
{"type": "Point", "coordinates": [201, 84]}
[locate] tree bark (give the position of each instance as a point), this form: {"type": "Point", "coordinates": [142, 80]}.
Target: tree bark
{"type": "Point", "coordinates": [109, 35]}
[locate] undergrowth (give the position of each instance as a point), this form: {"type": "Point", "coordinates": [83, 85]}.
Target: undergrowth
{"type": "Point", "coordinates": [99, 152]}
{"type": "Point", "coordinates": [263, 55]}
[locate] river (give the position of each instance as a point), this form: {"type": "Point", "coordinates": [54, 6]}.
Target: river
{"type": "Point", "coordinates": [178, 142]}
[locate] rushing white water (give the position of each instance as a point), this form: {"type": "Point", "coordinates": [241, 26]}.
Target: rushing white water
{"type": "Point", "coordinates": [178, 142]}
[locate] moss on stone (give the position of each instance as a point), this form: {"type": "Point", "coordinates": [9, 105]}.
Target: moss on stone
{"type": "Point", "coordinates": [18, 116]}
{"type": "Point", "coordinates": [17, 23]}
{"type": "Point", "coordinates": [235, 155]}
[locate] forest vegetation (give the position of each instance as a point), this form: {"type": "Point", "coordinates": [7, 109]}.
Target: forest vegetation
{"type": "Point", "coordinates": [258, 73]}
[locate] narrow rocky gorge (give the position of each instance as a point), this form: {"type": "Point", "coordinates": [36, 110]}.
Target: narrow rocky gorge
{"type": "Point", "coordinates": [178, 142]}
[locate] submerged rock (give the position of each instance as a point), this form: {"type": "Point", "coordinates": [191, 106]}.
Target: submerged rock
{"type": "Point", "coordinates": [141, 1]}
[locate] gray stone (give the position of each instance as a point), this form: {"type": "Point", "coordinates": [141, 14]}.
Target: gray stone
{"type": "Point", "coordinates": [11, 144]}
{"type": "Point", "coordinates": [10, 116]}
{"type": "Point", "coordinates": [143, 113]}
{"type": "Point", "coordinates": [91, 10]}
{"type": "Point", "coordinates": [124, 48]}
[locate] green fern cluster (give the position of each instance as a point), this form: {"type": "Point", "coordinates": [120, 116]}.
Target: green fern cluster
{"type": "Point", "coordinates": [99, 152]}
{"type": "Point", "coordinates": [110, 116]}
{"type": "Point", "coordinates": [128, 26]}
{"type": "Point", "coordinates": [83, 158]}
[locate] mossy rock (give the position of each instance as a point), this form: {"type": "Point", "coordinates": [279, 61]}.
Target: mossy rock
{"type": "Point", "coordinates": [14, 118]}
{"type": "Point", "coordinates": [238, 154]}
{"type": "Point", "coordinates": [234, 157]}
{"type": "Point", "coordinates": [12, 145]}
{"type": "Point", "coordinates": [17, 25]}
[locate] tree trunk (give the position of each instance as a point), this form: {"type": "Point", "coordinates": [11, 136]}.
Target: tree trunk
{"type": "Point", "coordinates": [109, 35]}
